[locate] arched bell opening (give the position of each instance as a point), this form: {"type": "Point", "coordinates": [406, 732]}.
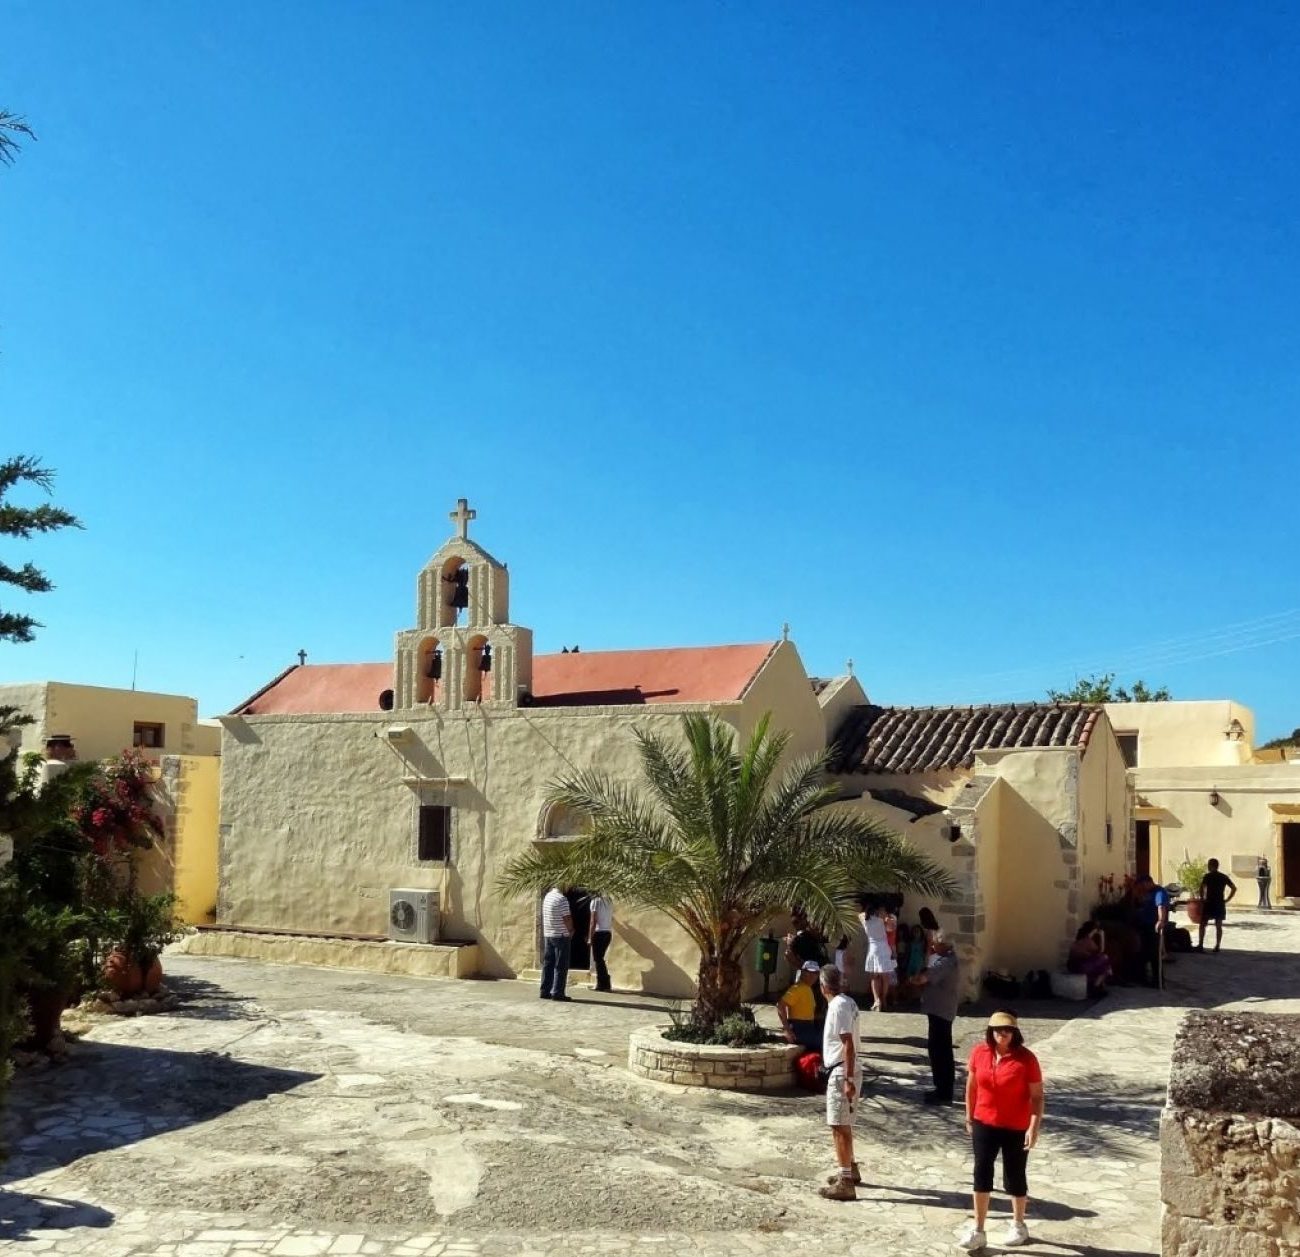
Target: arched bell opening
{"type": "Point", "coordinates": [454, 591]}
{"type": "Point", "coordinates": [478, 669]}
{"type": "Point", "coordinates": [429, 674]}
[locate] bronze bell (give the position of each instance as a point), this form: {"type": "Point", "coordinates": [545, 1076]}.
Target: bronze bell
{"type": "Point", "coordinates": [460, 594]}
{"type": "Point", "coordinates": [485, 659]}
{"type": "Point", "coordinates": [434, 672]}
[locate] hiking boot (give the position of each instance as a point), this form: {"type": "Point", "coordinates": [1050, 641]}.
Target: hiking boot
{"type": "Point", "coordinates": [840, 1189]}
{"type": "Point", "coordinates": [855, 1177]}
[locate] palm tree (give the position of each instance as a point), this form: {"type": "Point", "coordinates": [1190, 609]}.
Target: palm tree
{"type": "Point", "coordinates": [722, 844]}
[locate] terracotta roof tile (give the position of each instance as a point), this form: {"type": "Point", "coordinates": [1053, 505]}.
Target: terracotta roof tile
{"type": "Point", "coordinates": [315, 688]}
{"type": "Point", "coordinates": [925, 739]}
{"type": "Point", "coordinates": [691, 674]}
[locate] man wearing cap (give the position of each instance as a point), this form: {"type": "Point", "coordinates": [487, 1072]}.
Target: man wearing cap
{"type": "Point", "coordinates": [843, 1082]}
{"type": "Point", "coordinates": [1153, 916]}
{"type": "Point", "coordinates": [797, 1008]}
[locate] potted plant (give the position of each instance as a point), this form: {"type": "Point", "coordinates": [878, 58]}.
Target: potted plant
{"type": "Point", "coordinates": [148, 924]}
{"type": "Point", "coordinates": [1190, 874]}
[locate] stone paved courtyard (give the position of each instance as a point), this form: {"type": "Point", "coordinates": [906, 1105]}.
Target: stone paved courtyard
{"type": "Point", "coordinates": [297, 1112]}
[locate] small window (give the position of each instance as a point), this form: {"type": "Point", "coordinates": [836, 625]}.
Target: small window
{"type": "Point", "coordinates": [1128, 748]}
{"type": "Point", "coordinates": [435, 834]}
{"type": "Point", "coordinates": [148, 736]}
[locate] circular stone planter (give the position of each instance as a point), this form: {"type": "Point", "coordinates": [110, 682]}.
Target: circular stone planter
{"type": "Point", "coordinates": [766, 1067]}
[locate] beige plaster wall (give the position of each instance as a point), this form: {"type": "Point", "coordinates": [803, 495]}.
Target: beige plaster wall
{"type": "Point", "coordinates": [30, 700]}
{"type": "Point", "coordinates": [1246, 822]}
{"type": "Point", "coordinates": [193, 787]}
{"type": "Point", "coordinates": [1104, 796]}
{"type": "Point", "coordinates": [837, 700]}
{"type": "Point", "coordinates": [101, 720]}
{"type": "Point", "coordinates": [318, 825]}
{"type": "Point", "coordinates": [1027, 882]}
{"type": "Point", "coordinates": [1185, 734]}
{"type": "Point", "coordinates": [782, 688]}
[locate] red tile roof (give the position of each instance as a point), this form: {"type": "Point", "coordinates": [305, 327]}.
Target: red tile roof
{"type": "Point", "coordinates": [923, 739]}
{"type": "Point", "coordinates": [316, 688]}
{"type": "Point", "coordinates": [683, 674]}
{"type": "Point", "coordinates": [690, 674]}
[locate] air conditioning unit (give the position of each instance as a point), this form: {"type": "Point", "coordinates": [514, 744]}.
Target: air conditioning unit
{"type": "Point", "coordinates": [413, 916]}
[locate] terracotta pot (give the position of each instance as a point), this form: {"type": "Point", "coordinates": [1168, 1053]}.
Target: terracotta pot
{"type": "Point", "coordinates": [1194, 911]}
{"type": "Point", "coordinates": [122, 973]}
{"type": "Point", "coordinates": [46, 1011]}
{"type": "Point", "coordinates": [153, 977]}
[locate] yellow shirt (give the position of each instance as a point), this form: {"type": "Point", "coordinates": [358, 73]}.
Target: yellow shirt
{"type": "Point", "coordinates": [799, 1002]}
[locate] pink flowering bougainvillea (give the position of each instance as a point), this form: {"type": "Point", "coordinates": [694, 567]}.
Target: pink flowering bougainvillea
{"type": "Point", "coordinates": [118, 813]}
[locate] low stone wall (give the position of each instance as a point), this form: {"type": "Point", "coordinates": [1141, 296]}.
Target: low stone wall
{"type": "Point", "coordinates": [1230, 1138]}
{"type": "Point", "coordinates": [415, 960]}
{"type": "Point", "coordinates": [767, 1067]}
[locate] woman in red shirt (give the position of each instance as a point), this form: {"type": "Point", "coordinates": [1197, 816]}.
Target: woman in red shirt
{"type": "Point", "coordinates": [1004, 1108]}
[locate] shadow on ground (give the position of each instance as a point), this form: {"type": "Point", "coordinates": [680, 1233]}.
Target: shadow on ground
{"type": "Point", "coordinates": [109, 1095]}
{"type": "Point", "coordinates": [21, 1214]}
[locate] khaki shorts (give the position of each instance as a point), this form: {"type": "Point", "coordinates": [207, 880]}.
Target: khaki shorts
{"type": "Point", "coordinates": [839, 1110]}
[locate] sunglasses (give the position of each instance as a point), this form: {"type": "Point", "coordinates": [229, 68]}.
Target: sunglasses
{"type": "Point", "coordinates": [1003, 1029]}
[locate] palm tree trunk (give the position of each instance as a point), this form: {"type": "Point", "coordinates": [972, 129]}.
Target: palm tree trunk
{"type": "Point", "coordinates": [717, 991]}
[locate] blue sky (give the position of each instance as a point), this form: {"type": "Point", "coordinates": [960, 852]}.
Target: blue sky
{"type": "Point", "coordinates": [961, 337]}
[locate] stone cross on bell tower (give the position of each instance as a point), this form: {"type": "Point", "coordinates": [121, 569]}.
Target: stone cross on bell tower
{"type": "Point", "coordinates": [463, 651]}
{"type": "Point", "coordinates": [461, 517]}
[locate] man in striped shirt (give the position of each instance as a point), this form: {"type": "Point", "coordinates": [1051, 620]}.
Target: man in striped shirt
{"type": "Point", "coordinates": [557, 931]}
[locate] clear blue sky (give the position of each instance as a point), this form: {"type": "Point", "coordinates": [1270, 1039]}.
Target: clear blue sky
{"type": "Point", "coordinates": [962, 337]}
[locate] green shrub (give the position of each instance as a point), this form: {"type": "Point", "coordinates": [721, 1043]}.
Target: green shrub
{"type": "Point", "coordinates": [738, 1029]}
{"type": "Point", "coordinates": [1189, 874]}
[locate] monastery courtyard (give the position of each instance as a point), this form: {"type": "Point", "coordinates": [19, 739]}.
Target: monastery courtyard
{"type": "Point", "coordinates": [297, 1112]}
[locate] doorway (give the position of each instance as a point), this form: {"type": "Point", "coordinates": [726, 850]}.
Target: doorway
{"type": "Point", "coordinates": [580, 909]}
{"type": "Point", "coordinates": [1142, 848]}
{"type": "Point", "coordinates": [1291, 859]}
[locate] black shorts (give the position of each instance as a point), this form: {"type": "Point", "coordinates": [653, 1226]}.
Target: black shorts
{"type": "Point", "coordinates": [988, 1142]}
{"type": "Point", "coordinates": [1215, 913]}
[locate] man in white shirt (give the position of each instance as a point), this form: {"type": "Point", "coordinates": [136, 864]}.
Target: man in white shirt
{"type": "Point", "coordinates": [557, 934]}
{"type": "Point", "coordinates": [843, 1084]}
{"type": "Point", "coordinates": [599, 932]}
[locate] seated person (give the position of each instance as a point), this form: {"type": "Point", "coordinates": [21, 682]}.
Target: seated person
{"type": "Point", "coordinates": [1088, 956]}
{"type": "Point", "coordinates": [797, 1009]}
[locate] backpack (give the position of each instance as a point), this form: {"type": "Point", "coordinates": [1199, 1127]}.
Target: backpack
{"type": "Point", "coordinates": [808, 1072]}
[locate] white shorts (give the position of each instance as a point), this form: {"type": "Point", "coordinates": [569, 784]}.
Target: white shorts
{"type": "Point", "coordinates": [839, 1110]}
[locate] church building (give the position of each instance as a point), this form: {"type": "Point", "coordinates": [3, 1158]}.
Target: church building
{"type": "Point", "coordinates": [367, 801]}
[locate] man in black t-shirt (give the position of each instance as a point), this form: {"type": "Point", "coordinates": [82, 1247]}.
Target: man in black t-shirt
{"type": "Point", "coordinates": [1217, 889]}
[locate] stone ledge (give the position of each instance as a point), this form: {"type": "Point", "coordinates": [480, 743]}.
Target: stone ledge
{"type": "Point", "coordinates": [414, 960]}
{"type": "Point", "coordinates": [1247, 1063]}
{"type": "Point", "coordinates": [765, 1067]}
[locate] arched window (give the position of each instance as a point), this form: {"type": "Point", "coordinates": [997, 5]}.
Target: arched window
{"type": "Point", "coordinates": [561, 824]}
{"type": "Point", "coordinates": [478, 669]}
{"type": "Point", "coordinates": [429, 675]}
{"type": "Point", "coordinates": [453, 591]}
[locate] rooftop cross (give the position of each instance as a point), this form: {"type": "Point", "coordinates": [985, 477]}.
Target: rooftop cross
{"type": "Point", "coordinates": [461, 517]}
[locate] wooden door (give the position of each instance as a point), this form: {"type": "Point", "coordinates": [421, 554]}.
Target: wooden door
{"type": "Point", "coordinates": [1142, 844]}
{"type": "Point", "coordinates": [1291, 859]}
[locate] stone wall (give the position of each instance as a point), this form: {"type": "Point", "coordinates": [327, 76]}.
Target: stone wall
{"type": "Point", "coordinates": [767, 1067]}
{"type": "Point", "coordinates": [1230, 1138]}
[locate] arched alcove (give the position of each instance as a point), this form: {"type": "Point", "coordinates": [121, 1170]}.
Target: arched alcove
{"type": "Point", "coordinates": [478, 669]}
{"type": "Point", "coordinates": [429, 675]}
{"type": "Point", "coordinates": [453, 591]}
{"type": "Point", "coordinates": [558, 823]}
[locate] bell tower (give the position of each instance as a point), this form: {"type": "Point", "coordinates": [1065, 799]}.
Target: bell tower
{"type": "Point", "coordinates": [463, 649]}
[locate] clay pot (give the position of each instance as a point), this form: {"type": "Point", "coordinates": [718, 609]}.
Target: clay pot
{"type": "Point", "coordinates": [122, 973]}
{"type": "Point", "coordinates": [1194, 911]}
{"type": "Point", "coordinates": [46, 1011]}
{"type": "Point", "coordinates": [153, 977]}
